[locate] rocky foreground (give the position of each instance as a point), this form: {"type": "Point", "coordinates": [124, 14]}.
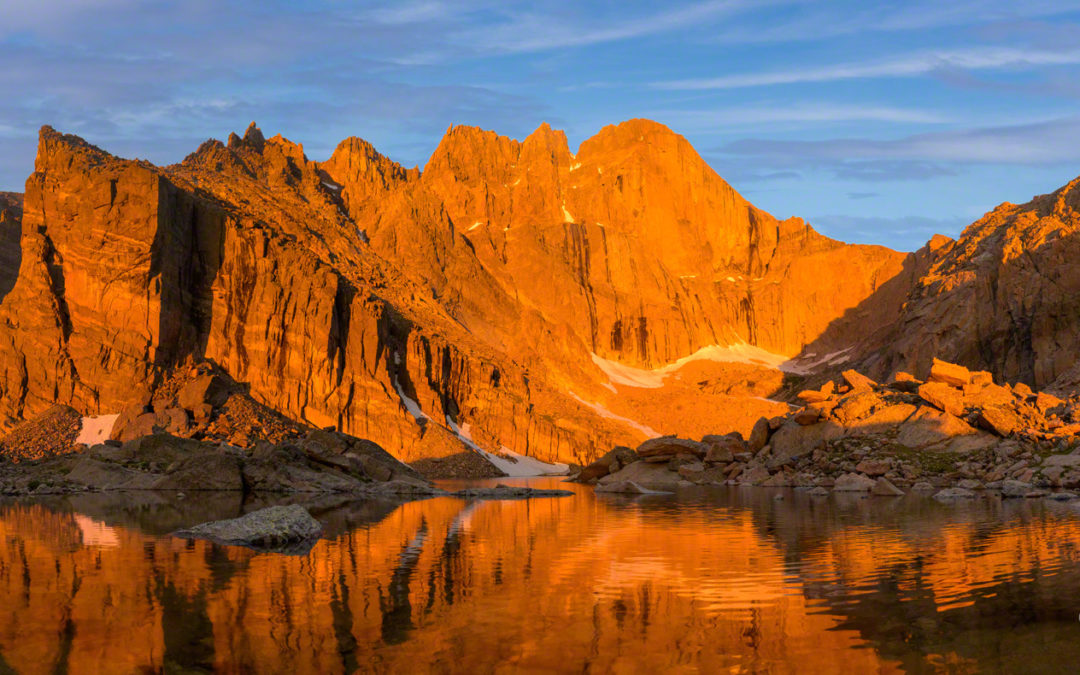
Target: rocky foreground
{"type": "Point", "coordinates": [957, 430]}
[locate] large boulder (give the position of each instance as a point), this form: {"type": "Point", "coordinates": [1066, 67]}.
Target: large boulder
{"type": "Point", "coordinates": [943, 397]}
{"type": "Point", "coordinates": [1000, 420]}
{"type": "Point", "coordinates": [613, 460]}
{"type": "Point", "coordinates": [272, 527]}
{"type": "Point", "coordinates": [671, 446]}
{"type": "Point", "coordinates": [949, 373]}
{"type": "Point", "coordinates": [759, 435]}
{"type": "Point", "coordinates": [853, 482]}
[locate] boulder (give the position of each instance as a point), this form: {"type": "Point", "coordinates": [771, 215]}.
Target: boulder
{"type": "Point", "coordinates": [874, 467]}
{"type": "Point", "coordinates": [628, 487]}
{"type": "Point", "coordinates": [853, 482]}
{"type": "Point", "coordinates": [272, 527]}
{"type": "Point", "coordinates": [1015, 488]}
{"type": "Point", "coordinates": [929, 427]}
{"type": "Point", "coordinates": [943, 397]}
{"type": "Point", "coordinates": [1072, 461]}
{"type": "Point", "coordinates": [722, 449]}
{"type": "Point", "coordinates": [949, 373]}
{"type": "Point", "coordinates": [884, 488]}
{"type": "Point", "coordinates": [794, 440]}
{"type": "Point", "coordinates": [1044, 402]}
{"type": "Point", "coordinates": [982, 377]}
{"type": "Point", "coordinates": [759, 435]}
{"type": "Point", "coordinates": [670, 446]}
{"type": "Point", "coordinates": [882, 419]}
{"type": "Point", "coordinates": [618, 456]}
{"type": "Point", "coordinates": [989, 395]}
{"type": "Point", "coordinates": [812, 396]}
{"type": "Point", "coordinates": [954, 493]}
{"type": "Point", "coordinates": [646, 474]}
{"type": "Point", "coordinates": [857, 381]}
{"type": "Point", "coordinates": [999, 420]}
{"type": "Point", "coordinates": [807, 416]}
{"type": "Point", "coordinates": [208, 388]}
{"type": "Point", "coordinates": [508, 492]}
{"type": "Point", "coordinates": [856, 406]}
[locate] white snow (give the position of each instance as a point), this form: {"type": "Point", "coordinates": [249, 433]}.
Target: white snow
{"type": "Point", "coordinates": [474, 226]}
{"type": "Point", "coordinates": [812, 361]}
{"type": "Point", "coordinates": [740, 352]}
{"type": "Point", "coordinates": [575, 166]}
{"type": "Point", "coordinates": [688, 276]}
{"type": "Point", "coordinates": [567, 218]}
{"type": "Point", "coordinates": [513, 464]}
{"type": "Point", "coordinates": [96, 429]}
{"type": "Point", "coordinates": [412, 406]}
{"type": "Point", "coordinates": [331, 186]}
{"type": "Point", "coordinates": [605, 413]}
{"type": "Point", "coordinates": [517, 181]}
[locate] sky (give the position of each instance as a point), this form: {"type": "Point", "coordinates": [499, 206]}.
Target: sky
{"type": "Point", "coordinates": [877, 122]}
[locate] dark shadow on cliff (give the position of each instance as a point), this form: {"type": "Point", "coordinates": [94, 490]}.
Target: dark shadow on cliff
{"type": "Point", "coordinates": [10, 235]}
{"type": "Point", "coordinates": [185, 258]}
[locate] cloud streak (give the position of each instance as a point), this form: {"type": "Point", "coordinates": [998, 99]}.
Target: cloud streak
{"type": "Point", "coordinates": [909, 65]}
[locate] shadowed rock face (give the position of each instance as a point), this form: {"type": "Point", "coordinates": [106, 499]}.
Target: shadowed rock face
{"type": "Point", "coordinates": [10, 252]}
{"type": "Point", "coordinates": [403, 307]}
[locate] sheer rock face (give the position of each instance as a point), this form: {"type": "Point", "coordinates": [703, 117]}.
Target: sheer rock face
{"type": "Point", "coordinates": [10, 227]}
{"type": "Point", "coordinates": [639, 248]}
{"type": "Point", "coordinates": [1004, 297]}
{"type": "Point", "coordinates": [403, 307]}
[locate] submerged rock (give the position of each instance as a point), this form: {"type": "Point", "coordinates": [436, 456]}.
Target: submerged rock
{"type": "Point", "coordinates": [629, 487]}
{"type": "Point", "coordinates": [275, 527]}
{"type": "Point", "coordinates": [508, 492]}
{"type": "Point", "coordinates": [954, 493]}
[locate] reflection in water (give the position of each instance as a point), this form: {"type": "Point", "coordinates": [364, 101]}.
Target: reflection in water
{"type": "Point", "coordinates": [723, 580]}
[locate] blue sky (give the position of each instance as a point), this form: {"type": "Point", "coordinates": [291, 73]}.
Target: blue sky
{"type": "Point", "coordinates": [877, 122]}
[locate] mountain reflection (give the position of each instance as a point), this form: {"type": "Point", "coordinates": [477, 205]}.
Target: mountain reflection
{"type": "Point", "coordinates": [721, 580]}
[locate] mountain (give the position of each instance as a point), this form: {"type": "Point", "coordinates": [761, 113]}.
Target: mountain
{"type": "Point", "coordinates": [10, 253]}
{"type": "Point", "coordinates": [512, 296]}
{"type": "Point", "coordinates": [1004, 297]}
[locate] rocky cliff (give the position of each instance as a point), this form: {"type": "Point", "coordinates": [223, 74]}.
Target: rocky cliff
{"type": "Point", "coordinates": [513, 296]}
{"type": "Point", "coordinates": [10, 251]}
{"type": "Point", "coordinates": [1004, 297]}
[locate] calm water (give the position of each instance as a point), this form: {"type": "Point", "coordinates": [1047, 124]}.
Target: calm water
{"type": "Point", "coordinates": [726, 580]}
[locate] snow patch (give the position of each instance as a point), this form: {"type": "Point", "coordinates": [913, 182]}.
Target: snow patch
{"type": "Point", "coordinates": [96, 429]}
{"type": "Point", "coordinates": [607, 414]}
{"type": "Point", "coordinates": [331, 186]}
{"type": "Point", "coordinates": [741, 352]}
{"type": "Point", "coordinates": [575, 166]}
{"type": "Point", "coordinates": [411, 405]}
{"type": "Point", "coordinates": [567, 218]}
{"type": "Point", "coordinates": [513, 464]}
{"type": "Point", "coordinates": [475, 225]}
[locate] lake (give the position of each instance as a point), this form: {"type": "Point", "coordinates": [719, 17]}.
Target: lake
{"type": "Point", "coordinates": [710, 580]}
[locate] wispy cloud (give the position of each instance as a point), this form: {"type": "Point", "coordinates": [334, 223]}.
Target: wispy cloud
{"type": "Point", "coordinates": [908, 65]}
{"type": "Point", "coordinates": [532, 31]}
{"type": "Point", "coordinates": [787, 111]}
{"type": "Point", "coordinates": [1048, 142]}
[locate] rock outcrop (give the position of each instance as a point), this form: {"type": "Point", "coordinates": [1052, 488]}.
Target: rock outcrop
{"type": "Point", "coordinates": [274, 528]}
{"type": "Point", "coordinates": [321, 462]}
{"type": "Point", "coordinates": [860, 436]}
{"type": "Point", "coordinates": [1003, 298]}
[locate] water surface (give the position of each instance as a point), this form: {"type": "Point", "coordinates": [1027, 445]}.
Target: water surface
{"type": "Point", "coordinates": [719, 580]}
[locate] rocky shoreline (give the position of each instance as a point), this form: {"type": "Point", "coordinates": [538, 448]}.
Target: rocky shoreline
{"type": "Point", "coordinates": [955, 435]}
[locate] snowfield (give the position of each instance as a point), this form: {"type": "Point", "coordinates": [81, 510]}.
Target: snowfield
{"type": "Point", "coordinates": [96, 429]}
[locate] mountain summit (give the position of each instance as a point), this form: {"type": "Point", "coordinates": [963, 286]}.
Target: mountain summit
{"type": "Point", "coordinates": [513, 297]}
